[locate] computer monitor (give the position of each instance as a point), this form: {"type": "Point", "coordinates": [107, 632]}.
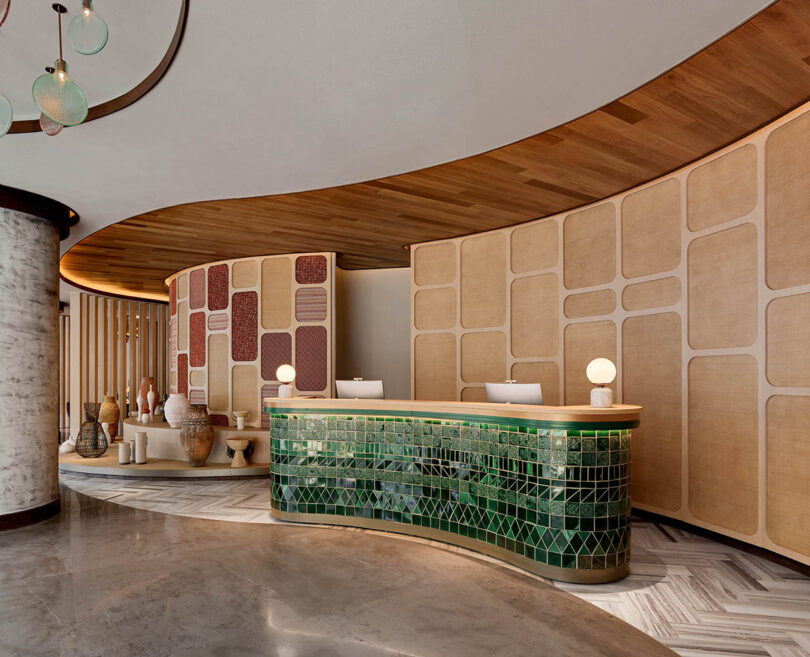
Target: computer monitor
{"type": "Point", "coordinates": [360, 389]}
{"type": "Point", "coordinates": [515, 393]}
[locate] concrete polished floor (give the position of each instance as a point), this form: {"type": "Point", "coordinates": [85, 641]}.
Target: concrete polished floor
{"type": "Point", "coordinates": [103, 579]}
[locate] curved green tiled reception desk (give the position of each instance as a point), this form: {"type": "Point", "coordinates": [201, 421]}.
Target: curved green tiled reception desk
{"type": "Point", "coordinates": [545, 488]}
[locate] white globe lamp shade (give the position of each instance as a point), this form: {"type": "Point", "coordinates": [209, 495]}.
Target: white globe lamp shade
{"type": "Point", "coordinates": [601, 371]}
{"type": "Point", "coordinates": [285, 373]}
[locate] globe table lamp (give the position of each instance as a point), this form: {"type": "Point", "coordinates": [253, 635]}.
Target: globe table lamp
{"type": "Point", "coordinates": [601, 373]}
{"type": "Point", "coordinates": [285, 374]}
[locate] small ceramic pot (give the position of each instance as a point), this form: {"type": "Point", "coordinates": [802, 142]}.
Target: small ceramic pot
{"type": "Point", "coordinates": [197, 435]}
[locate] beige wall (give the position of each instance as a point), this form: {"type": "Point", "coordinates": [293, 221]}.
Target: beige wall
{"type": "Point", "coordinates": [696, 286]}
{"type": "Point", "coordinates": [373, 315]}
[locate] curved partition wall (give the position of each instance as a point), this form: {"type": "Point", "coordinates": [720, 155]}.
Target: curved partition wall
{"type": "Point", "coordinates": [698, 286]}
{"type": "Point", "coordinates": [544, 488]}
{"type": "Point", "coordinates": [232, 323]}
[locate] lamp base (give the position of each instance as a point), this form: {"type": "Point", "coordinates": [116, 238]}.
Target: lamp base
{"type": "Point", "coordinates": [285, 390]}
{"type": "Point", "coordinates": [601, 397]}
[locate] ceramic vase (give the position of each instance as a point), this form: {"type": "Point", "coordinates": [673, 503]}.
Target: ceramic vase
{"type": "Point", "coordinates": [143, 391]}
{"type": "Point", "coordinates": [150, 398]}
{"type": "Point", "coordinates": [111, 414]}
{"type": "Point", "coordinates": [91, 442]}
{"type": "Point", "coordinates": [140, 447]}
{"type": "Point", "coordinates": [197, 435]}
{"type": "Point", "coordinates": [175, 409]}
{"type": "Point", "coordinates": [123, 453]}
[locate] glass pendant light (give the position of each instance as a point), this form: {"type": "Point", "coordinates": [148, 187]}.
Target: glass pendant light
{"type": "Point", "coordinates": [87, 32]}
{"type": "Point", "coordinates": [6, 115]}
{"type": "Point", "coordinates": [56, 95]}
{"type": "Point", "coordinates": [49, 127]}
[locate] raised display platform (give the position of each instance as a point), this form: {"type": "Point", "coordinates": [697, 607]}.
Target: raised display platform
{"type": "Point", "coordinates": [108, 465]}
{"type": "Point", "coordinates": [546, 488]}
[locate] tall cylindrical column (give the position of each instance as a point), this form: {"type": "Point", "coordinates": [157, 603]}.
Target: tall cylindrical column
{"type": "Point", "coordinates": [29, 367]}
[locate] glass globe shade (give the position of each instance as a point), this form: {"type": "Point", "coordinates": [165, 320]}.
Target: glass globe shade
{"type": "Point", "coordinates": [49, 127]}
{"type": "Point", "coordinates": [60, 98]}
{"type": "Point", "coordinates": [6, 115]}
{"type": "Point", "coordinates": [601, 371]}
{"type": "Point", "coordinates": [87, 32]}
{"type": "Point", "coordinates": [285, 373]}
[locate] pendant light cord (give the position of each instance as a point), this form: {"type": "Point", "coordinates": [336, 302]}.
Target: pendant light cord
{"type": "Point", "coordinates": [59, 15]}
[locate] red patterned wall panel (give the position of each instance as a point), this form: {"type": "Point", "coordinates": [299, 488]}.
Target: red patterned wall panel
{"type": "Point", "coordinates": [245, 326]}
{"type": "Point", "coordinates": [310, 269]}
{"type": "Point", "coordinates": [173, 342]}
{"type": "Point", "coordinates": [219, 420]}
{"type": "Point", "coordinates": [268, 390]}
{"type": "Point", "coordinates": [218, 287]}
{"type": "Point", "coordinates": [218, 322]}
{"type": "Point", "coordinates": [310, 358]}
{"type": "Point", "coordinates": [276, 350]}
{"type": "Point", "coordinates": [182, 374]}
{"type": "Point", "coordinates": [196, 350]}
{"type": "Point", "coordinates": [196, 289]}
{"type": "Point", "coordinates": [310, 304]}
{"type": "Point", "coordinates": [196, 396]}
{"type": "Point", "coordinates": [173, 297]}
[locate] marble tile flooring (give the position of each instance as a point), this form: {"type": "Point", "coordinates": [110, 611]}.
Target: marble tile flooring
{"type": "Point", "coordinates": [107, 580]}
{"type": "Point", "coordinates": [699, 597]}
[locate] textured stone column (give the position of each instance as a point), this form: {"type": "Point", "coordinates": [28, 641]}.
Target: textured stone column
{"type": "Point", "coordinates": [29, 367]}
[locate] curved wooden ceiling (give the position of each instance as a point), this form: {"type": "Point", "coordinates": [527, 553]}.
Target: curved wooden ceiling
{"type": "Point", "coordinates": [741, 82]}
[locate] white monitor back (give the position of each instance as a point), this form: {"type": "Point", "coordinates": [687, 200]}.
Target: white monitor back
{"type": "Point", "coordinates": [360, 389]}
{"type": "Point", "coordinates": [515, 393]}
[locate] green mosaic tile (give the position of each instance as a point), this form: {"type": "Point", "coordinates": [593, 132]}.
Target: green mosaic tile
{"type": "Point", "coordinates": [556, 496]}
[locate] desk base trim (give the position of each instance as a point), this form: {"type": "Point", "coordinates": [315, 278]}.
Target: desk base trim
{"type": "Point", "coordinates": [571, 575]}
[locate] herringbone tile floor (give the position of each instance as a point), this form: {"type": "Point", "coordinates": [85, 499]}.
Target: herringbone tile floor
{"type": "Point", "coordinates": [699, 597]}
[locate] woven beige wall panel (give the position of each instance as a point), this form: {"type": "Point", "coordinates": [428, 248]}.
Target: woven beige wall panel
{"type": "Point", "coordinates": [483, 281]}
{"type": "Point", "coordinates": [434, 264]}
{"type": "Point", "coordinates": [787, 204]}
{"type": "Point", "coordinates": [182, 286]}
{"type": "Point", "coordinates": [583, 343]}
{"type": "Point", "coordinates": [196, 378]}
{"type": "Point", "coordinates": [219, 345]}
{"type": "Point", "coordinates": [535, 321]}
{"type": "Point", "coordinates": [276, 293]}
{"type": "Point", "coordinates": [246, 390]}
{"type": "Point", "coordinates": [182, 326]}
{"type": "Point", "coordinates": [651, 229]}
{"type": "Point", "coordinates": [435, 367]}
{"type": "Point", "coordinates": [589, 246]}
{"type": "Point", "coordinates": [788, 349]}
{"type": "Point", "coordinates": [651, 378]}
{"type": "Point", "coordinates": [590, 304]}
{"type": "Point", "coordinates": [483, 357]}
{"type": "Point", "coordinates": [535, 246]}
{"type": "Point", "coordinates": [723, 289]}
{"type": "Point", "coordinates": [546, 374]}
{"type": "Point", "coordinates": [723, 441]}
{"type": "Point", "coordinates": [435, 308]}
{"type": "Point", "coordinates": [723, 189]}
{"type": "Point", "coordinates": [474, 394]}
{"type": "Point", "coordinates": [652, 294]}
{"type": "Point", "coordinates": [788, 459]}
{"type": "Point", "coordinates": [245, 273]}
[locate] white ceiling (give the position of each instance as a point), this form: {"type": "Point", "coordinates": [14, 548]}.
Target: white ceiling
{"type": "Point", "coordinates": [272, 96]}
{"type": "Point", "coordinates": [140, 33]}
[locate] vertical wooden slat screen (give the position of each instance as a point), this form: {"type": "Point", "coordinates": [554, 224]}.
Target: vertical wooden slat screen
{"type": "Point", "coordinates": [112, 345]}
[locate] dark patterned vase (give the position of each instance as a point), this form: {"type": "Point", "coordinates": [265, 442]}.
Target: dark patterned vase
{"type": "Point", "coordinates": [197, 435]}
{"type": "Point", "coordinates": [91, 442]}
